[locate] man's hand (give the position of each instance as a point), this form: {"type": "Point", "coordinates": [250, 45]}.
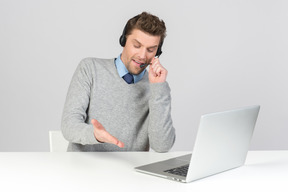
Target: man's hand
{"type": "Point", "coordinates": [103, 136]}
{"type": "Point", "coordinates": [157, 73]}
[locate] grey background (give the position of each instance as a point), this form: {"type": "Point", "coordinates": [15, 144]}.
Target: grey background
{"type": "Point", "coordinates": [220, 55]}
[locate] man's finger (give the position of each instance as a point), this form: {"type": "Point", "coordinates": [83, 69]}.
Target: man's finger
{"type": "Point", "coordinates": [157, 69]}
{"type": "Point", "coordinates": [120, 144]}
{"type": "Point", "coordinates": [113, 140]}
{"type": "Point", "coordinates": [152, 72]}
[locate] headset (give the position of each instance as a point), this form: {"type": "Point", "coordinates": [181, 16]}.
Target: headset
{"type": "Point", "coordinates": [122, 42]}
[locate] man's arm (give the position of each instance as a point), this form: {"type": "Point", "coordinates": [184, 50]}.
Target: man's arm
{"type": "Point", "coordinates": [161, 131]}
{"type": "Point", "coordinates": [74, 126]}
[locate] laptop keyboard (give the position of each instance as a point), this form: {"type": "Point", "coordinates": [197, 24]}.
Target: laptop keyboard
{"type": "Point", "coordinates": [182, 171]}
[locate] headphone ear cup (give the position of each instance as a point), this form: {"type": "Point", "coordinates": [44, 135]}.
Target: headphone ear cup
{"type": "Point", "coordinates": [122, 40]}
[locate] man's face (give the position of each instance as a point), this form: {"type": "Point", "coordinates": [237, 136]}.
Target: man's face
{"type": "Point", "coordinates": [140, 48]}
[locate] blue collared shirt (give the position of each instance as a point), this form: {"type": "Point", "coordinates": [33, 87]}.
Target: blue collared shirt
{"type": "Point", "coordinates": [122, 70]}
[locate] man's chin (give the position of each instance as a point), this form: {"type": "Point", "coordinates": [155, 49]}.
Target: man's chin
{"type": "Point", "coordinates": [135, 69]}
{"type": "Point", "coordinates": [136, 72]}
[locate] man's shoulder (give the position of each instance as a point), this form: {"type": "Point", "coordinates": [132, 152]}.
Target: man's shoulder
{"type": "Point", "coordinates": [92, 65]}
{"type": "Point", "coordinates": [94, 60]}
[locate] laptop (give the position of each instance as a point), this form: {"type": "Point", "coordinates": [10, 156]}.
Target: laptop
{"type": "Point", "coordinates": [222, 143]}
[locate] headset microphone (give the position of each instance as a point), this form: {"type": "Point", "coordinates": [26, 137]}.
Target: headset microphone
{"type": "Point", "coordinates": [146, 64]}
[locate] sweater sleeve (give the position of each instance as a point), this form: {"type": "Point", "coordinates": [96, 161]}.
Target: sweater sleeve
{"type": "Point", "coordinates": [161, 131]}
{"type": "Point", "coordinates": [74, 127]}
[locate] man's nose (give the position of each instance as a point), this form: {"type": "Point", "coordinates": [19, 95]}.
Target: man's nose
{"type": "Point", "coordinates": [142, 53]}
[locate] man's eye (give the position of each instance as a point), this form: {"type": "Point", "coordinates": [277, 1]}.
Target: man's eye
{"type": "Point", "coordinates": [137, 46]}
{"type": "Point", "coordinates": [150, 51]}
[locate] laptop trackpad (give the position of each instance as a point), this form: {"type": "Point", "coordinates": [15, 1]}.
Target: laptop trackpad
{"type": "Point", "coordinates": [178, 161]}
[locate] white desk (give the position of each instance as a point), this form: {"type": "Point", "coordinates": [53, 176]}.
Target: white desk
{"type": "Point", "coordinates": [81, 172]}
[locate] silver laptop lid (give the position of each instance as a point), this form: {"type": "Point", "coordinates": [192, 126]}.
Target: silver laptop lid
{"type": "Point", "coordinates": [222, 141]}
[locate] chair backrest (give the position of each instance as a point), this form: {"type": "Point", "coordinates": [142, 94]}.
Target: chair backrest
{"type": "Point", "coordinates": [57, 142]}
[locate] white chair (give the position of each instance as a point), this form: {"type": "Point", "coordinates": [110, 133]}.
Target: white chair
{"type": "Point", "coordinates": [57, 142]}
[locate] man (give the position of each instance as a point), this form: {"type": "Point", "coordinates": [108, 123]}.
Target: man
{"type": "Point", "coordinates": [103, 112]}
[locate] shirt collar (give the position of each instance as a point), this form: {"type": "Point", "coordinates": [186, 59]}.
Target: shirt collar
{"type": "Point", "coordinates": [122, 70]}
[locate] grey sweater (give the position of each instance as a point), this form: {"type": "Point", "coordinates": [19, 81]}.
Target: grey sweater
{"type": "Point", "coordinates": [137, 114]}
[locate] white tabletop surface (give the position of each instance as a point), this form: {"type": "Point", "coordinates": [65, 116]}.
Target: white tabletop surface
{"type": "Point", "coordinates": [35, 171]}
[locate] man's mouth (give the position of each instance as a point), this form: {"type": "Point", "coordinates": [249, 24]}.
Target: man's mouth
{"type": "Point", "coordinates": [138, 62]}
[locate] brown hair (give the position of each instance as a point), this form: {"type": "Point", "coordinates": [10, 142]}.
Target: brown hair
{"type": "Point", "coordinates": [148, 23]}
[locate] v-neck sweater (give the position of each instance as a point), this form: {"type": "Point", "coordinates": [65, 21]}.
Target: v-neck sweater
{"type": "Point", "coordinates": [137, 114]}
